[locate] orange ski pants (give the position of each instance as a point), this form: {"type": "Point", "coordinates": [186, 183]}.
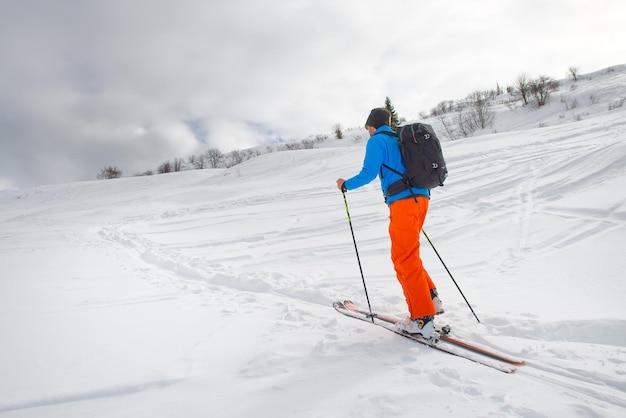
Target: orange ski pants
{"type": "Point", "coordinates": [406, 217]}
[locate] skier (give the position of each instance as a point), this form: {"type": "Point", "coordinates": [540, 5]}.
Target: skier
{"type": "Point", "coordinates": [407, 212]}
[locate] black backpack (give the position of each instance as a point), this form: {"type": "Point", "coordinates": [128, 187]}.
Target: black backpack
{"type": "Point", "coordinates": [423, 159]}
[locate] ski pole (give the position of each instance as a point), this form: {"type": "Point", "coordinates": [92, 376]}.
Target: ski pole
{"type": "Point", "coordinates": [345, 201]}
{"type": "Point", "coordinates": [450, 274]}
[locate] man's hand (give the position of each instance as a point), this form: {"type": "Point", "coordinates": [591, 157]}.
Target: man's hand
{"type": "Point", "coordinates": [341, 185]}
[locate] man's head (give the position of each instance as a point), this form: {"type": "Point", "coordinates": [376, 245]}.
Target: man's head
{"type": "Point", "coordinates": [377, 118]}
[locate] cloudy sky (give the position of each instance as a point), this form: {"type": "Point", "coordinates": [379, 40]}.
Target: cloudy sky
{"type": "Point", "coordinates": [86, 84]}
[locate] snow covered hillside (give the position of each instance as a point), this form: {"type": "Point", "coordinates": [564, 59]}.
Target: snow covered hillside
{"type": "Point", "coordinates": [209, 293]}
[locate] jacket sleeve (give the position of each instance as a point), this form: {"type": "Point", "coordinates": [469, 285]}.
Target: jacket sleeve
{"type": "Point", "coordinates": [374, 154]}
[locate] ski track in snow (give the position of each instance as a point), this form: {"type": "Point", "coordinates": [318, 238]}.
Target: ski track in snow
{"type": "Point", "coordinates": [592, 387]}
{"type": "Point", "coordinates": [131, 293]}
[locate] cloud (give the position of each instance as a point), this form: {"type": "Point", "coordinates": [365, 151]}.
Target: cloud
{"type": "Point", "coordinates": [135, 83]}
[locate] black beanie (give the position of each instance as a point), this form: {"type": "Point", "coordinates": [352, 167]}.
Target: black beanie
{"type": "Point", "coordinates": [378, 117]}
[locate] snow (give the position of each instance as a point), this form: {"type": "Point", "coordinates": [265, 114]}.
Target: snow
{"type": "Point", "coordinates": [209, 293]}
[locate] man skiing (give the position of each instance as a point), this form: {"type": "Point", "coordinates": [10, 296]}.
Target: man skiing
{"type": "Point", "coordinates": [407, 212]}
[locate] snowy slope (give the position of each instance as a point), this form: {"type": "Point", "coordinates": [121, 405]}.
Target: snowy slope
{"type": "Point", "coordinates": [208, 293]}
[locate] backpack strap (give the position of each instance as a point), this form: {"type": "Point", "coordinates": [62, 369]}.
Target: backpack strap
{"type": "Point", "coordinates": [385, 165]}
{"type": "Point", "coordinates": [405, 180]}
{"type": "Point", "coordinates": [390, 133]}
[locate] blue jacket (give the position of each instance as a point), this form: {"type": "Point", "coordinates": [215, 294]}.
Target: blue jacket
{"type": "Point", "coordinates": [383, 149]}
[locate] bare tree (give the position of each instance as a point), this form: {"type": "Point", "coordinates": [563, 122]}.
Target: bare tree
{"type": "Point", "coordinates": [338, 131]}
{"type": "Point", "coordinates": [109, 172]}
{"type": "Point", "coordinates": [214, 157]}
{"type": "Point", "coordinates": [540, 88]}
{"type": "Point", "coordinates": [480, 114]}
{"type": "Point", "coordinates": [179, 164]}
{"type": "Point", "coordinates": [308, 143]}
{"type": "Point", "coordinates": [574, 71]}
{"type": "Point", "coordinates": [523, 86]}
{"type": "Point", "coordinates": [236, 157]}
{"type": "Point", "coordinates": [463, 125]}
{"type": "Point", "coordinates": [166, 167]}
{"type": "Point", "coordinates": [320, 138]}
{"type": "Point", "coordinates": [197, 161]}
{"type": "Point", "coordinates": [193, 160]}
{"type": "Point", "coordinates": [443, 107]}
{"type": "Point", "coordinates": [451, 135]}
{"type": "Point", "coordinates": [292, 146]}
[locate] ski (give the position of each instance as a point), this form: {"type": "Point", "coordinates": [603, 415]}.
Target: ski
{"type": "Point", "coordinates": [441, 345]}
{"type": "Point", "coordinates": [445, 336]}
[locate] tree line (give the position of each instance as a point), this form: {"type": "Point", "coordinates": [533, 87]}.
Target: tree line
{"type": "Point", "coordinates": [460, 119]}
{"type": "Point", "coordinates": [213, 158]}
